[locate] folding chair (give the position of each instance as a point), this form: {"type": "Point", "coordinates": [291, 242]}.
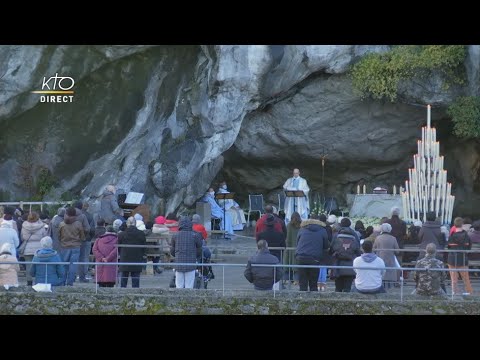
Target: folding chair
{"type": "Point", "coordinates": [255, 205]}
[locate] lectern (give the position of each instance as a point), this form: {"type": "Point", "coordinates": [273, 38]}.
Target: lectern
{"type": "Point", "coordinates": [294, 194]}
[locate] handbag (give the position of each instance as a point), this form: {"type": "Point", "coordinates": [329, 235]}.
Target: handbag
{"type": "Point", "coordinates": [23, 245]}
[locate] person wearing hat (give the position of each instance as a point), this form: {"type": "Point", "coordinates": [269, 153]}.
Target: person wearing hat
{"type": "Point", "coordinates": [273, 237]}
{"type": "Point", "coordinates": [140, 223]}
{"type": "Point", "coordinates": [187, 249]}
{"type": "Point", "coordinates": [8, 272]}
{"type": "Point", "coordinates": [384, 246]}
{"type": "Point", "coordinates": [345, 224]}
{"type": "Point", "coordinates": [51, 273]}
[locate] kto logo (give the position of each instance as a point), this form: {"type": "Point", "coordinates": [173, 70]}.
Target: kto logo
{"type": "Point", "coordinates": [59, 85]}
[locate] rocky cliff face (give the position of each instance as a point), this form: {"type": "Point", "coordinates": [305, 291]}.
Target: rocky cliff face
{"type": "Point", "coordinates": [169, 120]}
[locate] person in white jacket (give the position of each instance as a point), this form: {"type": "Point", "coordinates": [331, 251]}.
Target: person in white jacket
{"type": "Point", "coordinates": [369, 281]}
{"type": "Point", "coordinates": [9, 236]}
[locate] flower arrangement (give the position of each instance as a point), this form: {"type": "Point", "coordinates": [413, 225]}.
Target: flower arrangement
{"type": "Point", "coordinates": [367, 221]}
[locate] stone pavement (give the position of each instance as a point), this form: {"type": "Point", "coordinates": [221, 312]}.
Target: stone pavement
{"type": "Point", "coordinates": [236, 252]}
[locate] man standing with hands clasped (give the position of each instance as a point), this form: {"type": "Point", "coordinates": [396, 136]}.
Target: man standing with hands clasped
{"type": "Point", "coordinates": [298, 204]}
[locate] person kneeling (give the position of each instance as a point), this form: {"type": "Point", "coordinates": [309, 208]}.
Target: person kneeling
{"type": "Point", "coordinates": [263, 277]}
{"type": "Point", "coordinates": [430, 282]}
{"type": "Point", "coordinates": [369, 281]}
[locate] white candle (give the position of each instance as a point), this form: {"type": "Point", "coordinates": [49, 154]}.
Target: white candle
{"type": "Point", "coordinates": [394, 190]}
{"type": "Point", "coordinates": [364, 189]}
{"type": "Point", "coordinates": [428, 177]}
{"type": "Point", "coordinates": [358, 189]}
{"type": "Point", "coordinates": [429, 108]}
{"type": "Point", "coordinates": [451, 208]}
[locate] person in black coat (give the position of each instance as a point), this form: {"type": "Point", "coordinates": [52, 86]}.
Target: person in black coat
{"type": "Point", "coordinates": [131, 236]}
{"type": "Point", "coordinates": [312, 242]}
{"type": "Point", "coordinates": [344, 249]}
{"type": "Point", "coordinates": [263, 277]}
{"type": "Point", "coordinates": [459, 240]}
{"type": "Point", "coordinates": [273, 238]}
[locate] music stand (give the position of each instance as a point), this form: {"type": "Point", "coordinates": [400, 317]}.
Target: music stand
{"type": "Point", "coordinates": [224, 196]}
{"type": "Point", "coordinates": [294, 194]}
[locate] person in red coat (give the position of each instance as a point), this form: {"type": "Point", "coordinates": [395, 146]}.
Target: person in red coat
{"type": "Point", "coordinates": [198, 227]}
{"type": "Point", "coordinates": [172, 222]}
{"type": "Point", "coordinates": [261, 226]}
{"type": "Point", "coordinates": [106, 251]}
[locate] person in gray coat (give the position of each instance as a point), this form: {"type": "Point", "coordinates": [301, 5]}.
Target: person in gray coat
{"type": "Point", "coordinates": [54, 228]}
{"type": "Point", "coordinates": [263, 277]}
{"type": "Point", "coordinates": [430, 233]}
{"type": "Point", "coordinates": [385, 246]}
{"type": "Point", "coordinates": [109, 209]}
{"type": "Point", "coordinates": [186, 248]}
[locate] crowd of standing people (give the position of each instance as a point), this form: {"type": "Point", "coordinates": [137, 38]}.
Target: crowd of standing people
{"type": "Point", "coordinates": [369, 255]}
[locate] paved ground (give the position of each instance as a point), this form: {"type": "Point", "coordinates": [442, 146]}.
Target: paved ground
{"type": "Point", "coordinates": [236, 252]}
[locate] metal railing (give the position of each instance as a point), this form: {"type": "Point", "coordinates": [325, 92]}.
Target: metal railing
{"type": "Point", "coordinates": [226, 266]}
{"type": "Point", "coordinates": [21, 204]}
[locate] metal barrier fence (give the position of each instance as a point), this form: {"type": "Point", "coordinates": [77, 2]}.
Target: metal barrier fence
{"type": "Point", "coordinates": [21, 204]}
{"type": "Point", "coordinates": [224, 266]}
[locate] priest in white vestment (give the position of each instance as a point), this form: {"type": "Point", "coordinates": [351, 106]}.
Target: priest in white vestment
{"type": "Point", "coordinates": [232, 207]}
{"type": "Point", "coordinates": [301, 204]}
